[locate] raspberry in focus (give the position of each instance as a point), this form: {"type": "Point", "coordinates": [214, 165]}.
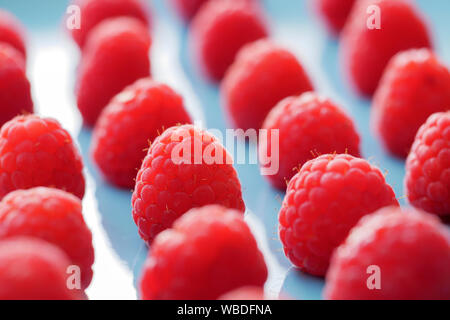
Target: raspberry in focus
{"type": "Point", "coordinates": [116, 55]}
{"type": "Point", "coordinates": [167, 187]}
{"type": "Point", "coordinates": [209, 252]}
{"type": "Point", "coordinates": [220, 29]}
{"type": "Point", "coordinates": [365, 52]}
{"type": "Point", "coordinates": [415, 85]}
{"type": "Point", "coordinates": [427, 181]}
{"type": "Point", "coordinates": [51, 215]}
{"type": "Point", "coordinates": [324, 200]}
{"type": "Point", "coordinates": [37, 151]}
{"type": "Point", "coordinates": [187, 9]}
{"type": "Point", "coordinates": [334, 13]}
{"type": "Point", "coordinates": [309, 125]}
{"type": "Point", "coordinates": [135, 117]}
{"type": "Point", "coordinates": [262, 75]}
{"type": "Point", "coordinates": [245, 293]}
{"type": "Point", "coordinates": [410, 249]}
{"type": "Point", "coordinates": [12, 32]}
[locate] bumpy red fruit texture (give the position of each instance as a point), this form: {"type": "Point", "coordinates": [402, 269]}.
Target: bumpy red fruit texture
{"type": "Point", "coordinates": [51, 215]}
{"type": "Point", "coordinates": [116, 55]}
{"type": "Point", "coordinates": [369, 41]}
{"type": "Point", "coordinates": [93, 12]}
{"type": "Point", "coordinates": [220, 29]}
{"type": "Point", "coordinates": [427, 180]}
{"type": "Point", "coordinates": [324, 200]}
{"type": "Point", "coordinates": [308, 126]}
{"type": "Point", "coordinates": [209, 252]}
{"type": "Point", "coordinates": [12, 32]}
{"type": "Point", "coordinates": [393, 254]}
{"type": "Point", "coordinates": [37, 151]}
{"type": "Point", "coordinates": [184, 168]}
{"type": "Point", "coordinates": [334, 13]}
{"type": "Point", "coordinates": [32, 269]}
{"type": "Point", "coordinates": [245, 293]}
{"type": "Point", "coordinates": [262, 75]}
{"type": "Point", "coordinates": [15, 92]}
{"type": "Point", "coordinates": [187, 9]}
{"type": "Point", "coordinates": [133, 119]}
{"type": "Point", "coordinates": [415, 85]}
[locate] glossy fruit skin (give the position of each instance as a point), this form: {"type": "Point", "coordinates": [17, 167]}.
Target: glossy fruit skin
{"type": "Point", "coordinates": [365, 52]}
{"type": "Point", "coordinates": [187, 9]}
{"type": "Point", "coordinates": [427, 181]}
{"type": "Point", "coordinates": [132, 120]}
{"type": "Point", "coordinates": [37, 151]}
{"type": "Point", "coordinates": [408, 249]}
{"type": "Point", "coordinates": [324, 200]}
{"type": "Point", "coordinates": [334, 13]}
{"type": "Point", "coordinates": [208, 252]}
{"type": "Point", "coordinates": [12, 32]}
{"type": "Point", "coordinates": [415, 85]}
{"type": "Point", "coordinates": [249, 93]}
{"type": "Point", "coordinates": [245, 293]}
{"type": "Point", "coordinates": [116, 55]}
{"type": "Point", "coordinates": [167, 187]}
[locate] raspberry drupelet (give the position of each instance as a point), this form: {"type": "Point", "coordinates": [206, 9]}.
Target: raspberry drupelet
{"type": "Point", "coordinates": [208, 252]}
{"type": "Point", "coordinates": [12, 32]}
{"type": "Point", "coordinates": [135, 117]}
{"type": "Point", "coordinates": [334, 13]}
{"type": "Point", "coordinates": [394, 254]}
{"type": "Point", "coordinates": [309, 125]}
{"type": "Point", "coordinates": [187, 9]}
{"type": "Point", "coordinates": [427, 181]}
{"type": "Point", "coordinates": [37, 151]}
{"type": "Point", "coordinates": [51, 215]}
{"type": "Point", "coordinates": [324, 200]}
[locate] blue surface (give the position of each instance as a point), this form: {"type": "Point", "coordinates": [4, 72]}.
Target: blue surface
{"type": "Point", "coordinates": [293, 25]}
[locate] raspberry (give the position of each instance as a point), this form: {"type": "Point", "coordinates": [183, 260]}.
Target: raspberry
{"type": "Point", "coordinates": [324, 200]}
{"type": "Point", "coordinates": [427, 180]}
{"type": "Point", "coordinates": [220, 29]}
{"type": "Point", "coordinates": [245, 293]}
{"type": "Point", "coordinates": [15, 93]}
{"type": "Point", "coordinates": [32, 269]}
{"type": "Point", "coordinates": [116, 55]}
{"type": "Point", "coordinates": [308, 125]}
{"type": "Point", "coordinates": [209, 252]}
{"type": "Point", "coordinates": [410, 250]}
{"type": "Point", "coordinates": [37, 151]}
{"type": "Point", "coordinates": [94, 12]}
{"type": "Point", "coordinates": [52, 215]}
{"type": "Point", "coordinates": [187, 9]}
{"type": "Point", "coordinates": [167, 187]}
{"type": "Point", "coordinates": [249, 93]}
{"type": "Point", "coordinates": [334, 13]}
{"type": "Point", "coordinates": [366, 51]}
{"type": "Point", "coordinates": [135, 116]}
{"type": "Point", "coordinates": [415, 85]}
{"type": "Point", "coordinates": [12, 32]}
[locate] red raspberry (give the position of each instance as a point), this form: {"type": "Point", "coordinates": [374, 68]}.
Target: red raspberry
{"type": "Point", "coordinates": [334, 13]}
{"type": "Point", "coordinates": [116, 55]}
{"type": "Point", "coordinates": [188, 8]}
{"type": "Point", "coordinates": [245, 293]}
{"type": "Point", "coordinates": [209, 252]}
{"type": "Point", "coordinates": [32, 269]}
{"type": "Point", "coordinates": [167, 187]}
{"type": "Point", "coordinates": [15, 93]}
{"type": "Point", "coordinates": [249, 93]}
{"type": "Point", "coordinates": [324, 200]}
{"type": "Point", "coordinates": [37, 151]}
{"type": "Point", "coordinates": [410, 249]}
{"type": "Point", "coordinates": [52, 215]}
{"type": "Point", "coordinates": [308, 125]}
{"type": "Point", "coordinates": [220, 29]}
{"type": "Point", "coordinates": [415, 85]}
{"type": "Point", "coordinates": [427, 181]}
{"type": "Point", "coordinates": [366, 51]}
{"type": "Point", "coordinates": [133, 118]}
{"type": "Point", "coordinates": [94, 12]}
{"type": "Point", "coordinates": [12, 32]}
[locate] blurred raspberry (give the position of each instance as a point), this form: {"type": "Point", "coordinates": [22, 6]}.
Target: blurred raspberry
{"type": "Point", "coordinates": [37, 151]}
{"type": "Point", "coordinates": [187, 9]}
{"type": "Point", "coordinates": [410, 249]}
{"type": "Point", "coordinates": [116, 55]}
{"type": "Point", "coordinates": [245, 293]}
{"type": "Point", "coordinates": [324, 200]}
{"type": "Point", "coordinates": [12, 32]}
{"type": "Point", "coordinates": [415, 85]}
{"type": "Point", "coordinates": [209, 252]}
{"type": "Point", "coordinates": [262, 75]}
{"type": "Point", "coordinates": [132, 119]}
{"type": "Point", "coordinates": [334, 13]}
{"type": "Point", "coordinates": [427, 181]}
